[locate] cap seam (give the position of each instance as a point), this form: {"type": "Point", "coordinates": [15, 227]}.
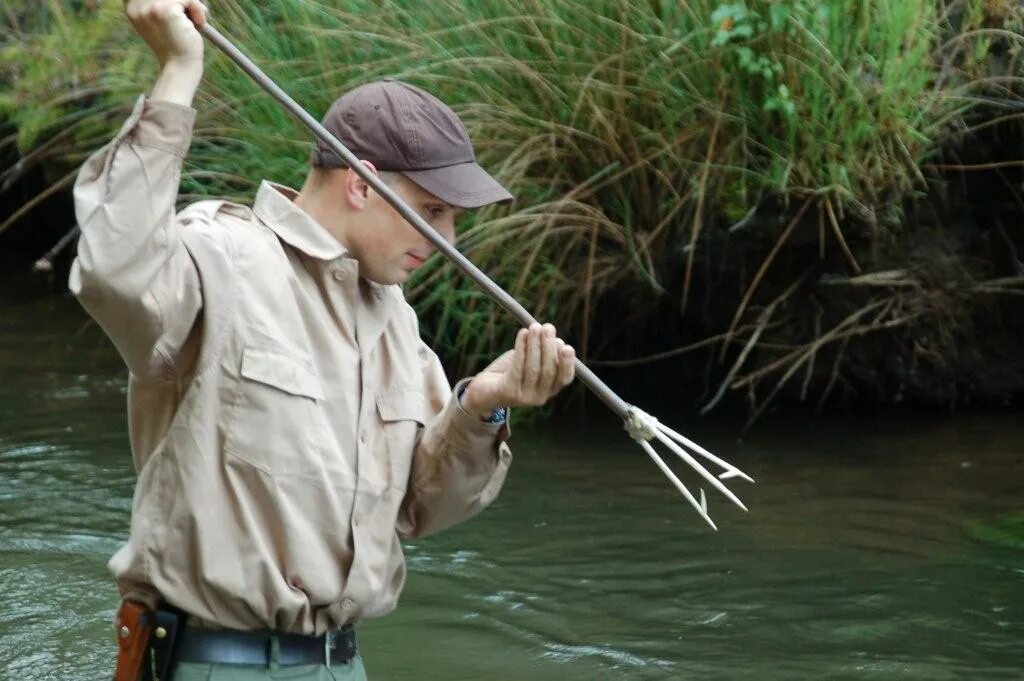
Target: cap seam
{"type": "Point", "coordinates": [410, 128]}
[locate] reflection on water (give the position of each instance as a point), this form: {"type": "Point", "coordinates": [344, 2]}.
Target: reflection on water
{"type": "Point", "coordinates": [872, 551]}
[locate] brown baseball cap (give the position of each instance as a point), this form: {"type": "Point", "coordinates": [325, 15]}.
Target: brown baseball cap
{"type": "Point", "coordinates": [399, 127]}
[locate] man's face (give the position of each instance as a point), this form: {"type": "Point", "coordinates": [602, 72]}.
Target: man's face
{"type": "Point", "coordinates": [387, 247]}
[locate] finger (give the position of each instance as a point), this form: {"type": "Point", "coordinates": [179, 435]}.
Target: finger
{"type": "Point", "coordinates": [519, 358]}
{"type": "Point", "coordinates": [197, 12]}
{"type": "Point", "coordinates": [549, 361]}
{"type": "Point", "coordinates": [533, 357]}
{"type": "Point", "coordinates": [566, 365]}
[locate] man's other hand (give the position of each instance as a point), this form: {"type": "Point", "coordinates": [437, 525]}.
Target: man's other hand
{"type": "Point", "coordinates": [169, 28]}
{"type": "Point", "coordinates": [539, 366]}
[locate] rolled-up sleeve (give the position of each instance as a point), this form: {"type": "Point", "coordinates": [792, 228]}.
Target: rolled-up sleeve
{"type": "Point", "coordinates": [132, 272]}
{"type": "Point", "coordinates": [459, 466]}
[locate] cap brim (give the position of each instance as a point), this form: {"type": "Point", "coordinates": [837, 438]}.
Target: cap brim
{"type": "Point", "coordinates": [465, 185]}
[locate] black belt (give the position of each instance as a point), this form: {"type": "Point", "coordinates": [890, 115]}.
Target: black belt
{"type": "Point", "coordinates": [174, 642]}
{"type": "Point", "coordinates": [215, 646]}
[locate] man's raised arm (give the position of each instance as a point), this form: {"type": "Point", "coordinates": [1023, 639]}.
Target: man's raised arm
{"type": "Point", "coordinates": [132, 272]}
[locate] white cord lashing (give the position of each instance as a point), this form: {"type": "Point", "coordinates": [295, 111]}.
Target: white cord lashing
{"type": "Point", "coordinates": [640, 425]}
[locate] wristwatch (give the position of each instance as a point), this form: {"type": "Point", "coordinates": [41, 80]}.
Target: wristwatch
{"type": "Point", "coordinates": [498, 415]}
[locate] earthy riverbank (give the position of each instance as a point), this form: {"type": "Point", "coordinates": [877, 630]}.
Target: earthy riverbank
{"type": "Point", "coordinates": [812, 203]}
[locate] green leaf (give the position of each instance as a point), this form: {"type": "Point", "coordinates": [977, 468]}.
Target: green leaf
{"type": "Point", "coordinates": [743, 30]}
{"type": "Point", "coordinates": [778, 16]}
{"type": "Point", "coordinates": [1007, 532]}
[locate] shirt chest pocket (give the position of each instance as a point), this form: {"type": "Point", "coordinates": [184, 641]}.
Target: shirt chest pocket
{"type": "Point", "coordinates": [404, 412]}
{"type": "Point", "coordinates": [276, 422]}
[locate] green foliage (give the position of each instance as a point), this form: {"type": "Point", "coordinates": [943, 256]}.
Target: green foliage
{"type": "Point", "coordinates": [635, 134]}
{"type": "Point", "coordinates": [1007, 531]}
{"type": "Point", "coordinates": [750, 33]}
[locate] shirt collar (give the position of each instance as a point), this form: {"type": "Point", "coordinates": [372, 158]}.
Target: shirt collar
{"type": "Point", "coordinates": [275, 206]}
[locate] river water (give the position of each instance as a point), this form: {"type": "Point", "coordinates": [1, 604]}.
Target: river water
{"type": "Point", "coordinates": [877, 549]}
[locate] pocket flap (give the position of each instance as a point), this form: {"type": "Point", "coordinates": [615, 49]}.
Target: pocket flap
{"type": "Point", "coordinates": [402, 404]}
{"type": "Point", "coordinates": [282, 372]}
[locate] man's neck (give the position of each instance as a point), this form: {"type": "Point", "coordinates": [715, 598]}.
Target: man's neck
{"type": "Point", "coordinates": [328, 214]}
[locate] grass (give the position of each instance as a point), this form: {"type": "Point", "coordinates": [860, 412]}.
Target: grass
{"type": "Point", "coordinates": [660, 151]}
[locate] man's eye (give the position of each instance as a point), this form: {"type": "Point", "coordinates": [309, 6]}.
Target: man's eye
{"type": "Point", "coordinates": [434, 211]}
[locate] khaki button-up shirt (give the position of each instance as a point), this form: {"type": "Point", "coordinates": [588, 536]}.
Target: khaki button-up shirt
{"type": "Point", "coordinates": [287, 423]}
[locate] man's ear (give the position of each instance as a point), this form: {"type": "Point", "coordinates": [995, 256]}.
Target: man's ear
{"type": "Point", "coordinates": [356, 189]}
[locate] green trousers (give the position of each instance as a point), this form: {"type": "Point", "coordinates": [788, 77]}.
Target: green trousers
{"type": "Point", "coordinates": [191, 671]}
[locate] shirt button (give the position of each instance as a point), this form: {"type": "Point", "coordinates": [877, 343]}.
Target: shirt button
{"type": "Point", "coordinates": [339, 274]}
{"type": "Point", "coordinates": [380, 294]}
{"type": "Point", "coordinates": [362, 437]}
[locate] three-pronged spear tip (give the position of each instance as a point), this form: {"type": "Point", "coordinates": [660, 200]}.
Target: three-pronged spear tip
{"type": "Point", "coordinates": [641, 426]}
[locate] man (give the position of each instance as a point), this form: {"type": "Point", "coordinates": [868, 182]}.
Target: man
{"type": "Point", "coordinates": [287, 423]}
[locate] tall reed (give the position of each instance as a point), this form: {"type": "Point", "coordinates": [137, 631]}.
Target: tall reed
{"type": "Point", "coordinates": [659, 150]}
